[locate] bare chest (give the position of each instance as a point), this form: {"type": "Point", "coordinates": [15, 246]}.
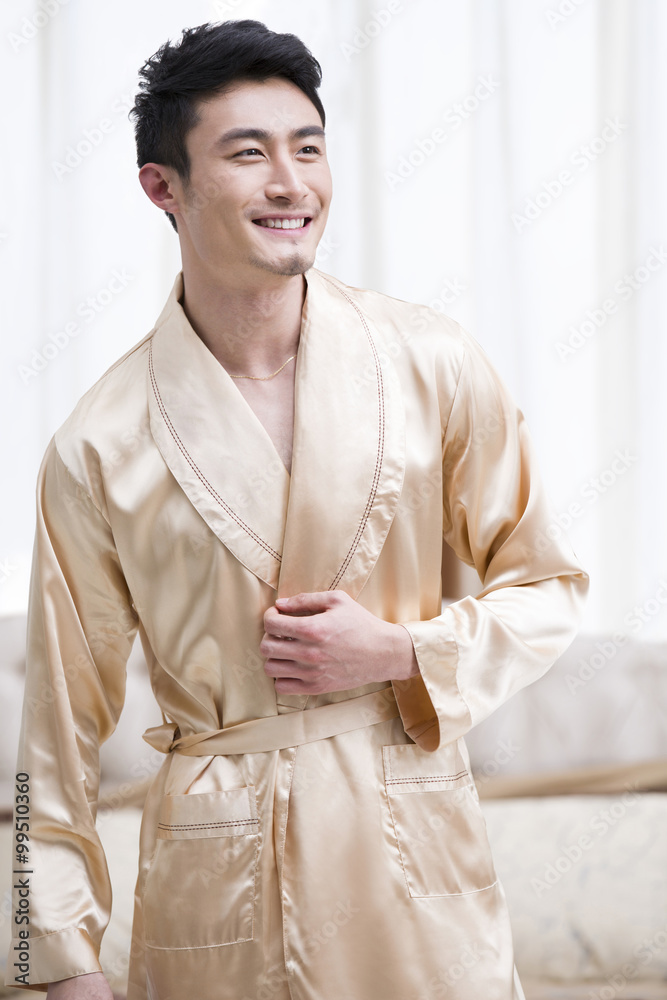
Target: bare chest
{"type": "Point", "coordinates": [273, 405]}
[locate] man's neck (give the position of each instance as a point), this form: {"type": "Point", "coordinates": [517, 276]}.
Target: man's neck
{"type": "Point", "coordinates": [250, 329]}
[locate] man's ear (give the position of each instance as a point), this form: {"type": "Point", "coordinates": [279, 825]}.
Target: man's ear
{"type": "Point", "coordinates": [161, 185]}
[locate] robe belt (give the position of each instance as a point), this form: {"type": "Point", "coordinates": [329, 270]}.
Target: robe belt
{"type": "Point", "coordinates": [278, 732]}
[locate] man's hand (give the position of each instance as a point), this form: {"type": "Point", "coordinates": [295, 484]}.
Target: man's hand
{"type": "Point", "coordinates": [333, 645]}
{"type": "Point", "coordinates": [92, 986]}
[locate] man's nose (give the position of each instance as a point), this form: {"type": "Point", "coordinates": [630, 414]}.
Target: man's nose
{"type": "Point", "coordinates": [286, 181]}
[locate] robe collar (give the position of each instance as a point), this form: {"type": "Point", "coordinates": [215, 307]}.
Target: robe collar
{"type": "Point", "coordinates": [323, 527]}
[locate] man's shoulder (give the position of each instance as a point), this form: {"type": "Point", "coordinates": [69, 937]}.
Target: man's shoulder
{"type": "Point", "coordinates": [112, 413]}
{"type": "Point", "coordinates": [410, 332]}
{"type": "Point", "coordinates": [112, 416]}
{"type": "Point", "coordinates": [412, 319]}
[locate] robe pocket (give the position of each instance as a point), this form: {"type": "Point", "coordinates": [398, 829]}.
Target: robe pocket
{"type": "Point", "coordinates": [437, 820]}
{"type": "Point", "coordinates": [200, 887]}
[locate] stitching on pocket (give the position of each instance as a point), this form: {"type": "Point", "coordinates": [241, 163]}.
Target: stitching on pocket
{"type": "Point", "coordinates": [435, 777]}
{"type": "Point", "coordinates": [203, 842]}
{"type": "Point", "coordinates": [206, 826]}
{"type": "Point", "coordinates": [428, 895]}
{"type": "Point", "coordinates": [398, 844]}
{"type": "Point", "coordinates": [432, 854]}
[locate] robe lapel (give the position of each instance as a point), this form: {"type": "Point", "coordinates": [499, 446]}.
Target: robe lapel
{"type": "Point", "coordinates": [214, 445]}
{"type": "Point", "coordinates": [348, 456]}
{"type": "Point", "coordinates": [324, 528]}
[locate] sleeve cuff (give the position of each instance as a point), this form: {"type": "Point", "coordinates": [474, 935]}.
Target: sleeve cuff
{"type": "Point", "coordinates": [430, 704]}
{"type": "Point", "coordinates": [34, 962]}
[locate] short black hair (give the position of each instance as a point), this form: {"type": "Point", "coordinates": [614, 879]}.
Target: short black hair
{"type": "Point", "coordinates": [205, 60]}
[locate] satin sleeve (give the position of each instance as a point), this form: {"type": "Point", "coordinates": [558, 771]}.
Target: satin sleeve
{"type": "Point", "coordinates": [81, 625]}
{"type": "Point", "coordinates": [496, 517]}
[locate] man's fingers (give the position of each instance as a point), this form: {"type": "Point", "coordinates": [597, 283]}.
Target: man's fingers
{"type": "Point", "coordinates": [277, 625]}
{"type": "Point", "coordinates": [288, 625]}
{"type": "Point", "coordinates": [292, 685]}
{"type": "Point", "coordinates": [301, 673]}
{"type": "Point", "coordinates": [277, 619]}
{"type": "Point", "coordinates": [276, 646]}
{"type": "Point", "coordinates": [280, 668]}
{"type": "Point", "coordinates": [308, 603]}
{"type": "Point", "coordinates": [286, 649]}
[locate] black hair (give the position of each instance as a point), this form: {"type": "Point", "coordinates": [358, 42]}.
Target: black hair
{"type": "Point", "coordinates": [205, 60]}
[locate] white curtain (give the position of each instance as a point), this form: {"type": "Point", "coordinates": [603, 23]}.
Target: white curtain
{"type": "Point", "coordinates": [501, 160]}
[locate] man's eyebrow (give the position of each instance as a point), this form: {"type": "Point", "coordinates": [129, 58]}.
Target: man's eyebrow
{"type": "Point", "coordinates": [262, 135]}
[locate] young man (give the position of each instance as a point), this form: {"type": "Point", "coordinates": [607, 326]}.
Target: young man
{"type": "Point", "coordinates": [260, 488]}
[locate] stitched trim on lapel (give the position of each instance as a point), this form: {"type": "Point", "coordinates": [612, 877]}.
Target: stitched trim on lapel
{"type": "Point", "coordinates": [195, 468]}
{"type": "Point", "coordinates": [380, 451]}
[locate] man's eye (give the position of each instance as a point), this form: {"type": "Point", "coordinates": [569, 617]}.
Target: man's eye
{"type": "Point", "coordinates": [310, 149]}
{"type": "Point", "coordinates": [249, 152]}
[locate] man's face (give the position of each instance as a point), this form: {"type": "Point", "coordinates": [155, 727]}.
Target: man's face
{"type": "Point", "coordinates": [258, 165]}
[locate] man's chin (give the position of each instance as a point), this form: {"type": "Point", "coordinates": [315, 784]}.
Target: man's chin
{"type": "Point", "coordinates": [296, 263]}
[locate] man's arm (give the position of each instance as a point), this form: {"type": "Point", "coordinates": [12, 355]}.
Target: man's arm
{"type": "Point", "coordinates": [81, 625]}
{"type": "Point", "coordinates": [496, 517]}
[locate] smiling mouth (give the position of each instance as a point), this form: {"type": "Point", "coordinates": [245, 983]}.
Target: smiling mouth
{"type": "Point", "coordinates": [281, 222]}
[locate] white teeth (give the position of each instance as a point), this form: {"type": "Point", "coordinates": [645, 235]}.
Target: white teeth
{"type": "Point", "coordinates": [282, 223]}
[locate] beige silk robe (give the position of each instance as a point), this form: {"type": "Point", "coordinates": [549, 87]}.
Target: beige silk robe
{"type": "Point", "coordinates": [352, 865]}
